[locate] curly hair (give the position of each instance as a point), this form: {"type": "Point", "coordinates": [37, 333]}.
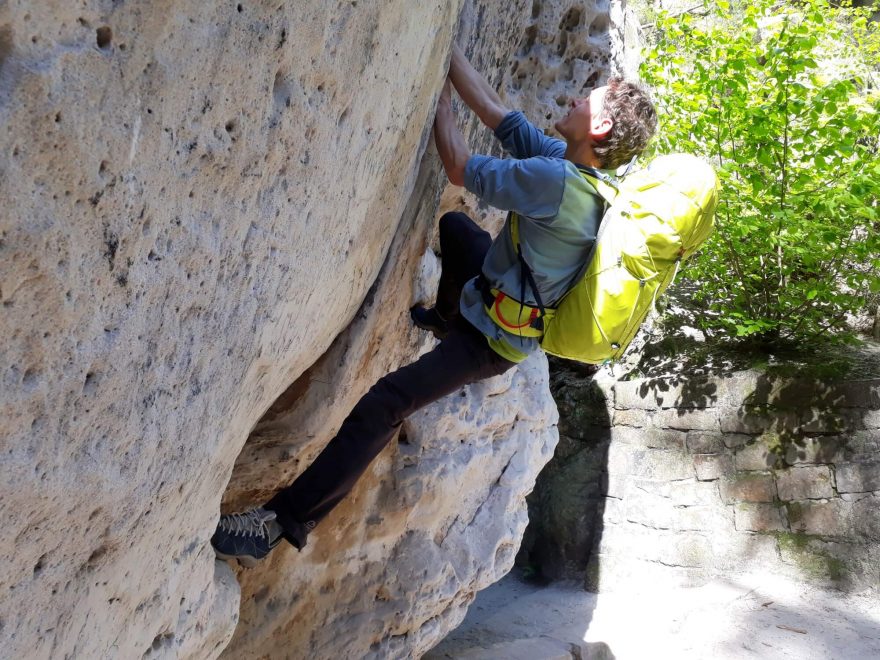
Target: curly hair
{"type": "Point", "coordinates": [634, 121]}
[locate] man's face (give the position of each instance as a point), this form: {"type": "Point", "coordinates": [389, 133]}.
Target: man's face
{"type": "Point", "coordinates": [584, 119]}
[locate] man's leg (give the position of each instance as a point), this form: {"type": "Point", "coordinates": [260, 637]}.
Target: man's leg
{"type": "Point", "coordinates": [463, 357]}
{"type": "Point", "coordinates": [463, 246]}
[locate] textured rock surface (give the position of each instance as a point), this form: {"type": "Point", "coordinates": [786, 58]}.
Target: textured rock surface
{"type": "Point", "coordinates": [196, 199]}
{"type": "Point", "coordinates": [556, 52]}
{"type": "Point", "coordinates": [215, 210]}
{"type": "Point", "coordinates": [676, 480]}
{"type": "Point", "coordinates": [300, 423]}
{"type": "Point", "coordinates": [566, 49]}
{"type": "Point", "coordinates": [436, 518]}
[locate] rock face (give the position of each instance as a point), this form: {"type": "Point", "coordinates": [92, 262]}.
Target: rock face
{"type": "Point", "coordinates": [561, 50]}
{"type": "Point", "coordinates": [676, 480]}
{"type": "Point", "coordinates": [208, 206]}
{"type": "Point", "coordinates": [435, 519]}
{"type": "Point", "coordinates": [284, 620]}
{"type": "Point", "coordinates": [567, 49]}
{"type": "Point", "coordinates": [197, 198]}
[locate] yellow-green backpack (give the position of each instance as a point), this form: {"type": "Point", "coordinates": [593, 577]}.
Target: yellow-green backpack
{"type": "Point", "coordinates": [657, 217]}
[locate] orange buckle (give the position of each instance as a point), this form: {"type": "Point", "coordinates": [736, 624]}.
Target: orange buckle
{"type": "Point", "coordinates": [532, 316]}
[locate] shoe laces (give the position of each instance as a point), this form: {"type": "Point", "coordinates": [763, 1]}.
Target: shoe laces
{"type": "Point", "coordinates": [249, 523]}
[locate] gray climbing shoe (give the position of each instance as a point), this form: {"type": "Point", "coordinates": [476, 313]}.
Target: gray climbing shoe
{"type": "Point", "coordinates": [247, 536]}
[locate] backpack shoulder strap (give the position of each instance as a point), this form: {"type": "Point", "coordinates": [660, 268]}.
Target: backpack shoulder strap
{"type": "Point", "coordinates": [525, 269]}
{"type": "Point", "coordinates": [607, 186]}
{"type": "Point", "coordinates": [514, 230]}
{"type": "Point", "coordinates": [608, 189]}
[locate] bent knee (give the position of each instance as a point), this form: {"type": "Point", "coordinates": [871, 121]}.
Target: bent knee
{"type": "Point", "coordinates": [453, 223]}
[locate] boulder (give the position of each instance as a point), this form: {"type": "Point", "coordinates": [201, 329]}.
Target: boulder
{"type": "Point", "coordinates": [437, 517]}
{"type": "Point", "coordinates": [198, 198]}
{"type": "Point", "coordinates": [215, 217]}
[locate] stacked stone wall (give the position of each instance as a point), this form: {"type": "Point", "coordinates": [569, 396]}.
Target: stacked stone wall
{"type": "Point", "coordinates": [683, 479]}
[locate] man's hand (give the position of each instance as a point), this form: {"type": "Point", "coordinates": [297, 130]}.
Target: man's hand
{"type": "Point", "coordinates": [475, 91]}
{"type": "Point", "coordinates": [451, 146]}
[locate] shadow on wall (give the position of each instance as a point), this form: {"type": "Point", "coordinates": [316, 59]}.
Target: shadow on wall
{"type": "Point", "coordinates": [787, 459]}
{"type": "Point", "coordinates": [567, 506]}
{"type": "Point", "coordinates": [691, 474]}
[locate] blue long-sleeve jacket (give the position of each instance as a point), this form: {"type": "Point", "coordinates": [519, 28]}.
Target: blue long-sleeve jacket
{"type": "Point", "coordinates": [560, 214]}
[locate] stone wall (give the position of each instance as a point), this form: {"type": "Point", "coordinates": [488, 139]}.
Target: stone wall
{"type": "Point", "coordinates": [678, 479]}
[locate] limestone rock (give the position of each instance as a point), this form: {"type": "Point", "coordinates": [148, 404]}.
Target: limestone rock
{"type": "Point", "coordinates": [197, 198]}
{"type": "Point", "coordinates": [214, 216]}
{"type": "Point", "coordinates": [437, 517]}
{"type": "Point", "coordinates": [567, 48]}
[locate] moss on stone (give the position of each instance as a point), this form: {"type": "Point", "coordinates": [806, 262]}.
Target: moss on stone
{"type": "Point", "coordinates": [592, 575]}
{"type": "Point", "coordinates": [795, 512]}
{"type": "Point", "coordinates": [793, 540]}
{"type": "Point", "coordinates": [813, 563]}
{"type": "Point", "coordinates": [777, 446]}
{"type": "Point", "coordinates": [837, 568]}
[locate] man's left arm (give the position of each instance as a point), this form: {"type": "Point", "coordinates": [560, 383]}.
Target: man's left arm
{"type": "Point", "coordinates": [451, 146]}
{"type": "Point", "coordinates": [533, 187]}
{"type": "Point", "coordinates": [521, 139]}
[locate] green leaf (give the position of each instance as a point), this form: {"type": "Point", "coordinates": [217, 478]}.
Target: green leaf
{"type": "Point", "coordinates": [795, 143]}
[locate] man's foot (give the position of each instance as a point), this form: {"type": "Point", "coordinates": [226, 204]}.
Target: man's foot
{"type": "Point", "coordinates": [247, 537]}
{"type": "Point", "coordinates": [430, 320]}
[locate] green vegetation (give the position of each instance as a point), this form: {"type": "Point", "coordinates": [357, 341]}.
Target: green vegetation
{"type": "Point", "coordinates": [777, 446]}
{"type": "Point", "coordinates": [812, 562]}
{"type": "Point", "coordinates": [783, 99]}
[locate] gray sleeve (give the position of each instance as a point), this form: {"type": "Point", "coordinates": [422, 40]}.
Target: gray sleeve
{"type": "Point", "coordinates": [532, 187]}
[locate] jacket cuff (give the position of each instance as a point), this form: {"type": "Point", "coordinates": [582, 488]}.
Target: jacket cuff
{"type": "Point", "coordinates": [511, 120]}
{"type": "Point", "coordinates": [472, 171]}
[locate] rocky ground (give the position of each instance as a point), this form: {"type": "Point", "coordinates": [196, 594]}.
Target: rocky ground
{"type": "Point", "coordinates": [752, 616]}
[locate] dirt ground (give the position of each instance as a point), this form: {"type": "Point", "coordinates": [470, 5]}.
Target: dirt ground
{"type": "Point", "coordinates": [753, 616]}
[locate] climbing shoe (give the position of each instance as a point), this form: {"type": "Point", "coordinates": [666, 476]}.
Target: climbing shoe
{"type": "Point", "coordinates": [247, 537]}
{"type": "Point", "coordinates": [430, 320]}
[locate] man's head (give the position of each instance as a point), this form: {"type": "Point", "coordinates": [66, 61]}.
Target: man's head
{"type": "Point", "coordinates": [616, 121]}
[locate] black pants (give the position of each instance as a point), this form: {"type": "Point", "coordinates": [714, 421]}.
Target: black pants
{"type": "Point", "coordinates": [462, 357]}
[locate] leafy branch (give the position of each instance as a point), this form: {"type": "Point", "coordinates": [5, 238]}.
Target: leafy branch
{"type": "Point", "coordinates": [779, 100]}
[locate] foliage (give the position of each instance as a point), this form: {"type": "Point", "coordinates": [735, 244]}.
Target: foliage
{"type": "Point", "coordinates": [782, 97]}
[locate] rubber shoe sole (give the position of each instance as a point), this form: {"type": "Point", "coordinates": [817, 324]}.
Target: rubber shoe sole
{"type": "Point", "coordinates": [246, 561]}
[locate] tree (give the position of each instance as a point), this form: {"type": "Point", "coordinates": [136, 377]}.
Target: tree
{"type": "Point", "coordinates": [783, 99]}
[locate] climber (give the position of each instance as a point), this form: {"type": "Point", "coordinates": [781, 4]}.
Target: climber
{"type": "Point", "coordinates": [560, 214]}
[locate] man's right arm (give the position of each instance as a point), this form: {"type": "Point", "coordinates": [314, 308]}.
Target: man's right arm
{"type": "Point", "coordinates": [475, 91]}
{"type": "Point", "coordinates": [517, 135]}
{"type": "Point", "coordinates": [533, 187]}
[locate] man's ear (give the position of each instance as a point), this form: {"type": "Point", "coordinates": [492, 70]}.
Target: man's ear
{"type": "Point", "coordinates": [600, 128]}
